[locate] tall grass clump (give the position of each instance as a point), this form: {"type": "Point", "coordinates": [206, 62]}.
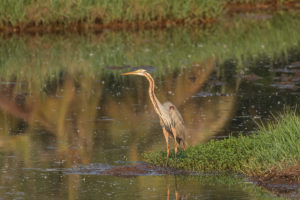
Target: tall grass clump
{"type": "Point", "coordinates": [275, 145]}
{"type": "Point", "coordinates": [22, 12]}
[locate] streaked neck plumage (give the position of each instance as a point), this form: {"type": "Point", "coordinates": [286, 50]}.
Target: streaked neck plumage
{"type": "Point", "coordinates": [153, 98]}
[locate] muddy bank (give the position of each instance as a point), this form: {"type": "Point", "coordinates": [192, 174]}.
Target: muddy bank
{"type": "Point", "coordinates": [98, 24]}
{"type": "Point", "coordinates": [142, 169]}
{"type": "Point", "coordinates": [283, 181]}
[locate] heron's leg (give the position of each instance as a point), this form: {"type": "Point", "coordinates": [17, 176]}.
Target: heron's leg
{"type": "Point", "coordinates": [166, 134]}
{"type": "Point", "coordinates": [175, 143]}
{"type": "Point", "coordinates": [168, 194]}
{"type": "Point", "coordinates": [176, 192]}
{"type": "Point", "coordinates": [168, 187]}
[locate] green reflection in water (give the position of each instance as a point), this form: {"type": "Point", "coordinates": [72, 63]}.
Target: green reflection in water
{"type": "Point", "coordinates": [46, 57]}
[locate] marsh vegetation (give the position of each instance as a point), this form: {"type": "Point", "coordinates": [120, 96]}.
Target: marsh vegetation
{"type": "Point", "coordinates": [55, 15]}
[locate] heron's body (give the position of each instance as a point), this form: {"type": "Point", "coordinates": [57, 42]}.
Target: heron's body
{"type": "Point", "coordinates": [179, 126]}
{"type": "Point", "coordinates": [170, 118]}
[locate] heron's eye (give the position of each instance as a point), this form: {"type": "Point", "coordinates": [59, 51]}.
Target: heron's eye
{"type": "Point", "coordinates": [171, 108]}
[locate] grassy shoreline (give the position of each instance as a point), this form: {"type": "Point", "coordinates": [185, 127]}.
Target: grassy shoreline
{"type": "Point", "coordinates": [270, 152]}
{"type": "Point", "coordinates": [47, 16]}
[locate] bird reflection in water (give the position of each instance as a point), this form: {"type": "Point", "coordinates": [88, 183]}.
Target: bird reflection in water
{"type": "Point", "coordinates": [178, 196]}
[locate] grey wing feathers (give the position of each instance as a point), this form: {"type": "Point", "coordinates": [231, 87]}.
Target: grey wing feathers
{"type": "Point", "coordinates": [174, 113]}
{"type": "Point", "coordinates": [177, 122]}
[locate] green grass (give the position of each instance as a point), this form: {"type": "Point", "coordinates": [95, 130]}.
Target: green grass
{"type": "Point", "coordinates": [276, 145]}
{"type": "Point", "coordinates": [67, 11]}
{"type": "Point", "coordinates": [23, 12]}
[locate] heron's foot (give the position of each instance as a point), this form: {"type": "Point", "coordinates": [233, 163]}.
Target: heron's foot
{"type": "Point", "coordinates": [166, 164]}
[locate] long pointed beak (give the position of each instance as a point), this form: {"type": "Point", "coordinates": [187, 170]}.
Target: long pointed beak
{"type": "Point", "coordinates": [128, 73]}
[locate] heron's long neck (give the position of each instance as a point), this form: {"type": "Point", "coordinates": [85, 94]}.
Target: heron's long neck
{"type": "Point", "coordinates": [153, 98]}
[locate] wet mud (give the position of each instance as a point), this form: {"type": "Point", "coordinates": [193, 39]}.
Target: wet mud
{"type": "Point", "coordinates": [285, 181]}
{"type": "Point", "coordinates": [142, 169]}
{"type": "Point", "coordinates": [130, 170]}
{"type": "Point", "coordinates": [96, 27]}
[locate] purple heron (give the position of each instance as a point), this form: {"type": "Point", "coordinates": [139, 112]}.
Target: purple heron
{"type": "Point", "coordinates": [170, 119]}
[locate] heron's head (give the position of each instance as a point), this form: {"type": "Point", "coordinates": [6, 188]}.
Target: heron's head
{"type": "Point", "coordinates": [139, 72]}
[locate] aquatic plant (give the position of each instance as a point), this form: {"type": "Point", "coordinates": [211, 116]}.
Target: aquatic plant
{"type": "Point", "coordinates": [275, 145]}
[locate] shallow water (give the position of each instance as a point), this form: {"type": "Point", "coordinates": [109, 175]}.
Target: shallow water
{"type": "Point", "coordinates": [66, 114]}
